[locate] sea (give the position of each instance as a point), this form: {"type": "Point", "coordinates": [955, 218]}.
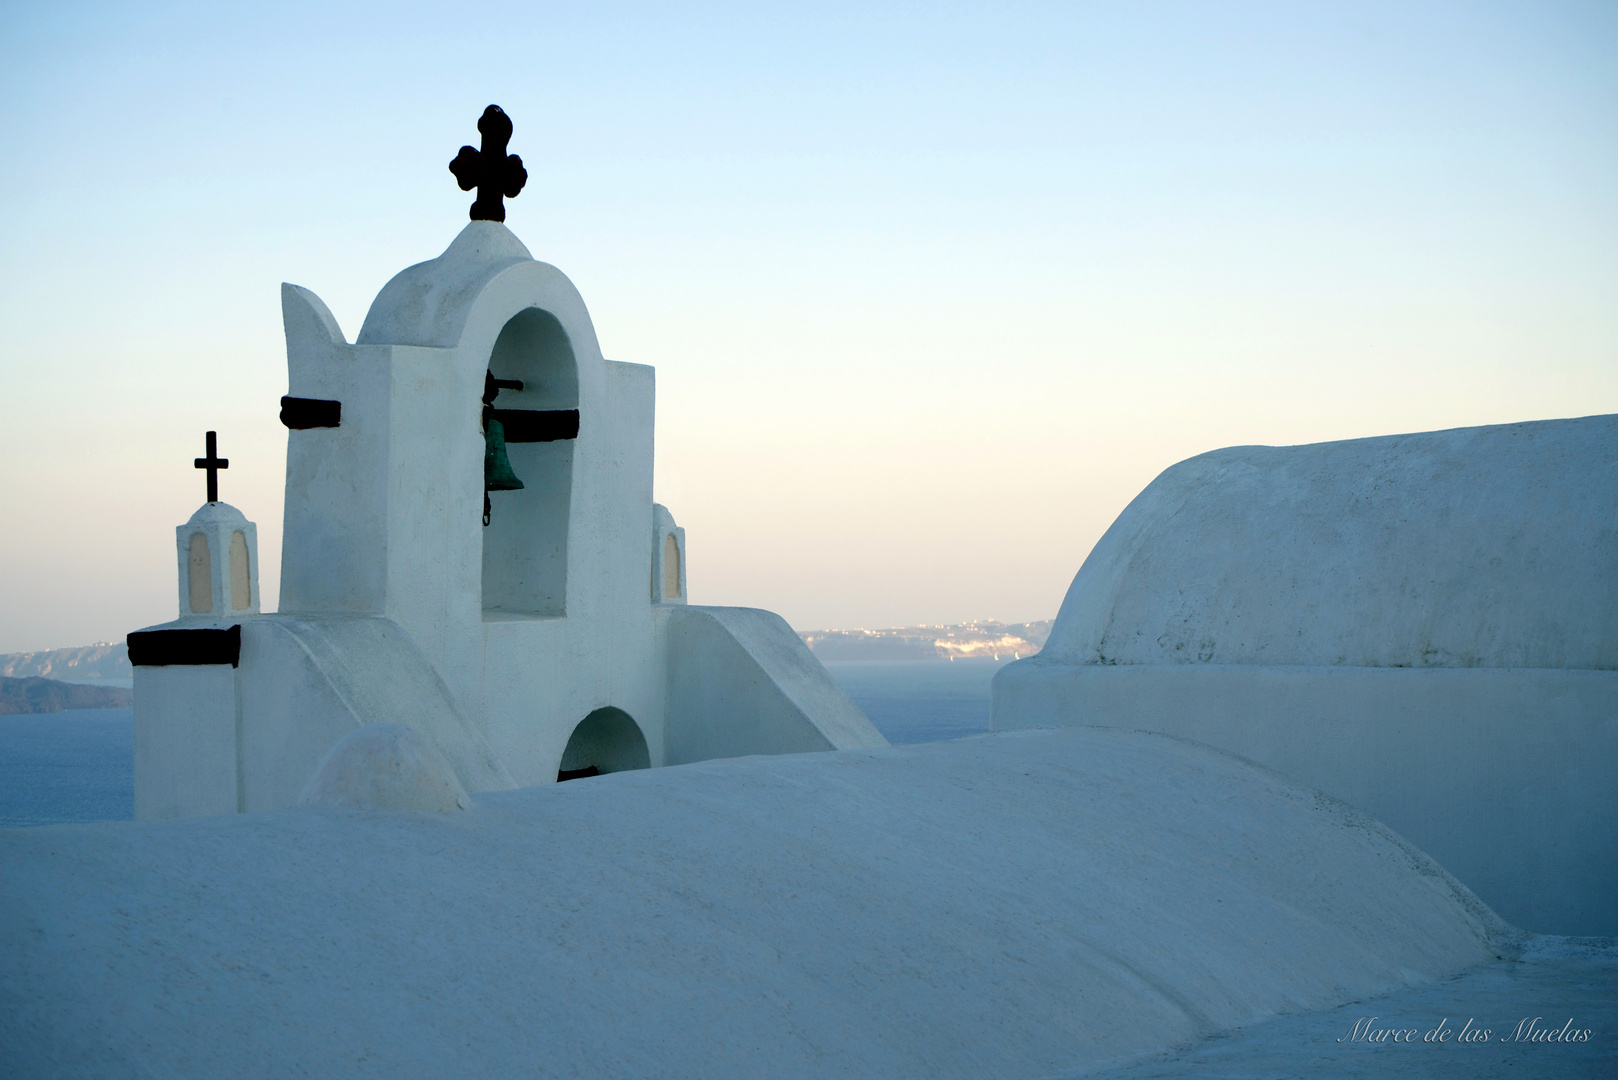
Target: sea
{"type": "Point", "coordinates": [79, 765]}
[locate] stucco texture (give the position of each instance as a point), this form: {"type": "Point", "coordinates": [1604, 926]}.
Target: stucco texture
{"type": "Point", "coordinates": [1010, 905]}
{"type": "Point", "coordinates": [1425, 626]}
{"type": "Point", "coordinates": [1476, 547]}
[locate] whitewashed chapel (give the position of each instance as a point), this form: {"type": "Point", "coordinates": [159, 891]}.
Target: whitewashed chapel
{"type": "Point", "coordinates": [471, 552]}
{"type": "Point", "coordinates": [478, 593]}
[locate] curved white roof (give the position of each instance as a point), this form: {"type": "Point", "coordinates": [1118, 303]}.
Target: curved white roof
{"type": "Point", "coordinates": [428, 303]}
{"type": "Point", "coordinates": [1474, 547]}
{"type": "Point", "coordinates": [221, 513]}
{"type": "Point", "coordinates": [1023, 904]}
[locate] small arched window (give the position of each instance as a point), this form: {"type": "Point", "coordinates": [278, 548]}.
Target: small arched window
{"type": "Point", "coordinates": [199, 575]}
{"type": "Point", "coordinates": [671, 568]}
{"type": "Point", "coordinates": [241, 588]}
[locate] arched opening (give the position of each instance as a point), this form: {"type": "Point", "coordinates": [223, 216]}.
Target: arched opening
{"type": "Point", "coordinates": [525, 543]}
{"type": "Point", "coordinates": [606, 741]}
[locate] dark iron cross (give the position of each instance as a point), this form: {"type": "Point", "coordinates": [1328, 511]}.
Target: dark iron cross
{"type": "Point", "coordinates": [213, 463]}
{"type": "Point", "coordinates": [491, 170]}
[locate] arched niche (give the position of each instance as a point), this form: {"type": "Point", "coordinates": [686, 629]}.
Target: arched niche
{"type": "Point", "coordinates": [671, 568]}
{"type": "Point", "coordinates": [606, 741]}
{"type": "Point", "coordinates": [199, 580]}
{"type": "Point", "coordinates": [525, 544]}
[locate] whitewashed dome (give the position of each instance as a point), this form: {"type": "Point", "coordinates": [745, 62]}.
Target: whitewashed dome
{"type": "Point", "coordinates": [1475, 547]}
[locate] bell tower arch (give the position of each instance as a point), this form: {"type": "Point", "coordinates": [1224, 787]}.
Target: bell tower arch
{"type": "Point", "coordinates": [525, 544]}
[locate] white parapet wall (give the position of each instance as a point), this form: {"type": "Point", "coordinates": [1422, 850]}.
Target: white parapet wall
{"type": "Point", "coordinates": [186, 735]}
{"type": "Point", "coordinates": [740, 682]}
{"type": "Point", "coordinates": [248, 736]}
{"type": "Point", "coordinates": [218, 738]}
{"type": "Point", "coordinates": [1425, 626]}
{"type": "Point", "coordinates": [1504, 777]}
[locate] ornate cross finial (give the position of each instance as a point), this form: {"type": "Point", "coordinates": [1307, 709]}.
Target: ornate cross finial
{"type": "Point", "coordinates": [213, 463]}
{"type": "Point", "coordinates": [491, 170]}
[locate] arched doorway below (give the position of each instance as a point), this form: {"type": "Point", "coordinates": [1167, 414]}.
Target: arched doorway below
{"type": "Point", "coordinates": [606, 741]}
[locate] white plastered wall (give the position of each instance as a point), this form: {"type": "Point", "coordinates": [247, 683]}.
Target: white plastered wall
{"type": "Point", "coordinates": [186, 762]}
{"type": "Point", "coordinates": [1424, 625]}
{"type": "Point", "coordinates": [545, 675]}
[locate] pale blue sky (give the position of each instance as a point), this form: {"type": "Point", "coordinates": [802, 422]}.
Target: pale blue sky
{"type": "Point", "coordinates": [932, 291]}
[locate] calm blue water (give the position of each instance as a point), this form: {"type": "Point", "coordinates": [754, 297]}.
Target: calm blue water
{"type": "Point", "coordinates": [68, 766]}
{"type": "Point", "coordinates": [79, 765]}
{"type": "Point", "coordinates": [912, 701]}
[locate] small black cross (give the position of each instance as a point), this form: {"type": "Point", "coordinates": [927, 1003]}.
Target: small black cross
{"type": "Point", "coordinates": [491, 170]}
{"type": "Point", "coordinates": [213, 463]}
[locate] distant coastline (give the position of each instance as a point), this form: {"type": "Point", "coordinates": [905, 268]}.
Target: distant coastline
{"type": "Point", "coordinates": [986, 638]}
{"type": "Point", "coordinates": [106, 665]}
{"type": "Point", "coordinates": [101, 664]}
{"type": "Point", "coordinates": [37, 695]}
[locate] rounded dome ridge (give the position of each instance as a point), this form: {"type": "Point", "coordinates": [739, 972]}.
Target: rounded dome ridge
{"type": "Point", "coordinates": [427, 304]}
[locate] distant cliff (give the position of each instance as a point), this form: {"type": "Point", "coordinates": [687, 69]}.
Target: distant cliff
{"type": "Point", "coordinates": [36, 695]}
{"type": "Point", "coordinates": [102, 664]}
{"type": "Point", "coordinates": [988, 638]}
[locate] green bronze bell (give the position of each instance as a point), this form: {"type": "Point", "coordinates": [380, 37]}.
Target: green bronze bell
{"type": "Point", "coordinates": [497, 474]}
